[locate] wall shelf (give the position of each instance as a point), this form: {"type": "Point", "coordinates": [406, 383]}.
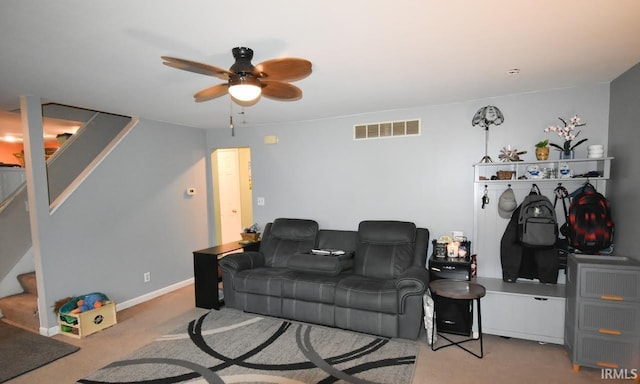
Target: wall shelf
{"type": "Point", "coordinates": [526, 309]}
{"type": "Point", "coordinates": [483, 172]}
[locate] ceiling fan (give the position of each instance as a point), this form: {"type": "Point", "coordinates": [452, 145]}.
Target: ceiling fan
{"type": "Point", "coordinates": [246, 82]}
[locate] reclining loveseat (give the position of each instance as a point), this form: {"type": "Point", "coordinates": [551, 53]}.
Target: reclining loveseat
{"type": "Point", "coordinates": [375, 287]}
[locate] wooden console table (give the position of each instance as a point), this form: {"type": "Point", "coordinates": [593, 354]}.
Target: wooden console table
{"type": "Point", "coordinates": [205, 272]}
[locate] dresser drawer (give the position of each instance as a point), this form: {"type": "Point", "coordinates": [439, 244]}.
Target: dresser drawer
{"type": "Point", "coordinates": [610, 284]}
{"type": "Point", "coordinates": [609, 318]}
{"type": "Point", "coordinates": [607, 351]}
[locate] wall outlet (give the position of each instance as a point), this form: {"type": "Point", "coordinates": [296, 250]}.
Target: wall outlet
{"type": "Point", "coordinates": [147, 277]}
{"type": "Point", "coordinates": [260, 201]}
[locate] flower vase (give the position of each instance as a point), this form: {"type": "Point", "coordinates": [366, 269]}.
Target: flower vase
{"type": "Point", "coordinates": [566, 155]}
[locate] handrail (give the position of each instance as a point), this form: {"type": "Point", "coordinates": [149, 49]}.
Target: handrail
{"type": "Point", "coordinates": [55, 204]}
{"type": "Point", "coordinates": [5, 203]}
{"type": "Point", "coordinates": [71, 139]}
{"type": "Point", "coordinates": [14, 215]}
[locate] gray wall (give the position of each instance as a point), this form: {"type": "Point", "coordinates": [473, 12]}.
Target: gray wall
{"type": "Point", "coordinates": [318, 171]}
{"type": "Point", "coordinates": [130, 216]}
{"type": "Point", "coordinates": [624, 141]}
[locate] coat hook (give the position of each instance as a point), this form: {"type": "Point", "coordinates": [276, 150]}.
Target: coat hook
{"type": "Point", "coordinates": [485, 197]}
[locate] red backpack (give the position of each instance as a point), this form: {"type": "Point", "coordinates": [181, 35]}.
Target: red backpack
{"type": "Point", "coordinates": [590, 227]}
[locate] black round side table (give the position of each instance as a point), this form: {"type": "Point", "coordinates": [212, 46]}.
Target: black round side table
{"type": "Point", "coordinates": [457, 290]}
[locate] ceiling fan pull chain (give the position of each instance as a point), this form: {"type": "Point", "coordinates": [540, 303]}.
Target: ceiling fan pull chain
{"type": "Point", "coordinates": [244, 116]}
{"type": "Point", "coordinates": [233, 132]}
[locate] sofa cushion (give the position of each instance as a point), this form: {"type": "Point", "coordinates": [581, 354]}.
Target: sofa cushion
{"type": "Point", "coordinates": [263, 280]}
{"type": "Point", "coordinates": [370, 294]}
{"type": "Point", "coordinates": [385, 248]}
{"type": "Point", "coordinates": [287, 237]}
{"type": "Point", "coordinates": [309, 287]}
{"type": "Point", "coordinates": [337, 239]}
{"type": "Point", "coordinates": [319, 264]}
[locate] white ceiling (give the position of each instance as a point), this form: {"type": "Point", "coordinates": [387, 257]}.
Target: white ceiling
{"type": "Point", "coordinates": [367, 55]}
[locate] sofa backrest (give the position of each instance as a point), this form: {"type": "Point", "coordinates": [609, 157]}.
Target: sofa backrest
{"type": "Point", "coordinates": [337, 239]}
{"type": "Point", "coordinates": [285, 237]}
{"type": "Point", "coordinates": [385, 249]}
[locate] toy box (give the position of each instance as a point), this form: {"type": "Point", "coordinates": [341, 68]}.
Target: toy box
{"type": "Point", "coordinates": [79, 325]}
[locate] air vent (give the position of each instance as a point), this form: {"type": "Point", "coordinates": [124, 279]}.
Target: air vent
{"type": "Point", "coordinates": [386, 129]}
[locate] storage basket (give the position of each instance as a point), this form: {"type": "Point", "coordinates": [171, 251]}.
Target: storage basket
{"type": "Point", "coordinates": [505, 175]}
{"type": "Point", "coordinates": [251, 236]}
{"type": "Point", "coordinates": [79, 325]}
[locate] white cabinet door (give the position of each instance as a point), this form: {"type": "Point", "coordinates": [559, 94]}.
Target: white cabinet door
{"type": "Point", "coordinates": [524, 316]}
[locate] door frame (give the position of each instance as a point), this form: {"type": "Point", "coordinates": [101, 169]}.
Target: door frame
{"type": "Point", "coordinates": [245, 186]}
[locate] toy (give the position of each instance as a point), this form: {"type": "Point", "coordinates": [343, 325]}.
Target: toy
{"type": "Point", "coordinates": [58, 304]}
{"type": "Point", "coordinates": [89, 302]}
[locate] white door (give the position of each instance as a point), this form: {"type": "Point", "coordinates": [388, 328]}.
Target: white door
{"type": "Point", "coordinates": [229, 195]}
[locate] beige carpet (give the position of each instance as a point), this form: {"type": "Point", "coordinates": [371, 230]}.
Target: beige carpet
{"type": "Point", "coordinates": [505, 361]}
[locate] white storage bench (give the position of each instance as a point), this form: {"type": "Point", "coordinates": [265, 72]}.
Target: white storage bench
{"type": "Point", "coordinates": [525, 310]}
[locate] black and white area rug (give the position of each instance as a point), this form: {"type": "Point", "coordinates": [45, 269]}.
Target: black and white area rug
{"type": "Point", "coordinates": [229, 346]}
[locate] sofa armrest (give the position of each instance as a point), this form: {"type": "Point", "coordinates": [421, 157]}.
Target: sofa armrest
{"type": "Point", "coordinates": [237, 262]}
{"type": "Point", "coordinates": [413, 281]}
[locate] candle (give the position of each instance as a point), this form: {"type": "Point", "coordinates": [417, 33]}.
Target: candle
{"type": "Point", "coordinates": [452, 249]}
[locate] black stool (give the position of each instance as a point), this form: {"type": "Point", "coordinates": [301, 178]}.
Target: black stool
{"type": "Point", "coordinates": [457, 290]}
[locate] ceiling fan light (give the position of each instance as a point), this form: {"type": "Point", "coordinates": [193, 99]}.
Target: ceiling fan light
{"type": "Point", "coordinates": [244, 87]}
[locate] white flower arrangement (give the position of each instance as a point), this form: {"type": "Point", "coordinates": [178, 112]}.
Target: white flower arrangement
{"type": "Point", "coordinates": [567, 132]}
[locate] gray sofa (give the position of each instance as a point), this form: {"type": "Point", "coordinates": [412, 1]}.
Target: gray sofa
{"type": "Point", "coordinates": [376, 287]}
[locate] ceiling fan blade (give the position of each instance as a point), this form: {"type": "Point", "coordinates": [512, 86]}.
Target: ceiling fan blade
{"type": "Point", "coordinates": [284, 69]}
{"type": "Point", "coordinates": [194, 66]}
{"type": "Point", "coordinates": [211, 92]}
{"type": "Point", "coordinates": [277, 90]}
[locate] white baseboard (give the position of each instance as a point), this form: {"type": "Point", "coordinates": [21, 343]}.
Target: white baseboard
{"type": "Point", "coordinates": [153, 295]}
{"type": "Point", "coordinates": [130, 303]}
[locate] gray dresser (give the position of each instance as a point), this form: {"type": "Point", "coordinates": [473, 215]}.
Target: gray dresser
{"type": "Point", "coordinates": [602, 320]}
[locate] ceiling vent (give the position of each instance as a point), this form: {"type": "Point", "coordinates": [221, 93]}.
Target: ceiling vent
{"type": "Point", "coordinates": [386, 129]}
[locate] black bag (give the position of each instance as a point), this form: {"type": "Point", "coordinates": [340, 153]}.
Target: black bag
{"type": "Point", "coordinates": [590, 225]}
{"type": "Point", "coordinates": [527, 262]}
{"type": "Point", "coordinates": [537, 223]}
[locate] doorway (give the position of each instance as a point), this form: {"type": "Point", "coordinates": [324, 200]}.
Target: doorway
{"type": "Point", "coordinates": [232, 192]}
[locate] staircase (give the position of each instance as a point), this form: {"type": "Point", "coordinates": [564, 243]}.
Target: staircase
{"type": "Point", "coordinates": [66, 169]}
{"type": "Point", "coordinates": [21, 309]}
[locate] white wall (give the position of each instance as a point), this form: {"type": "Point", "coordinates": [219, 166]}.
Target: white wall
{"type": "Point", "coordinates": [11, 286]}
{"type": "Point", "coordinates": [130, 216]}
{"type": "Point", "coordinates": [318, 171]}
